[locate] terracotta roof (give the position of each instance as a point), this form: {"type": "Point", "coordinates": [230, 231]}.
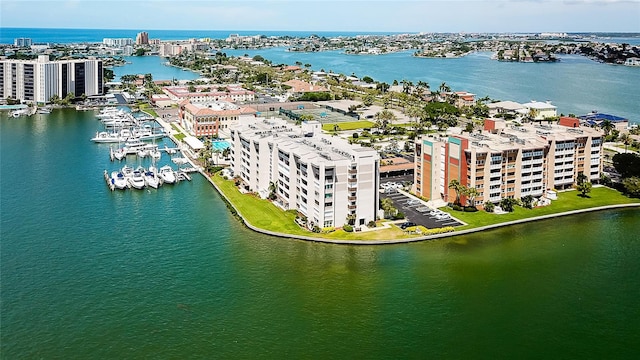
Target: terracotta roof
{"type": "Point", "coordinates": [301, 86]}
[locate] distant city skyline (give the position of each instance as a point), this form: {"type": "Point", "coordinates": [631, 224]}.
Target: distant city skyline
{"type": "Point", "coordinates": [311, 15]}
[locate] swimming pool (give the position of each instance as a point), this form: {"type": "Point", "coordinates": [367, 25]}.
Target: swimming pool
{"type": "Point", "coordinates": [13, 107]}
{"type": "Point", "coordinates": [220, 145]}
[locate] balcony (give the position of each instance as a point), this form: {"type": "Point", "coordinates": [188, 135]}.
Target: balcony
{"type": "Point", "coordinates": [352, 207]}
{"type": "Point", "coordinates": [352, 198]}
{"type": "Point", "coordinates": [353, 171]}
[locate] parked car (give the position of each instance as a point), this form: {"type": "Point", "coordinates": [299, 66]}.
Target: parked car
{"type": "Point", "coordinates": [406, 225]}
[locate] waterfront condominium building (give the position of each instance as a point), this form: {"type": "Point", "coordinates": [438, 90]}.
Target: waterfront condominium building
{"type": "Point", "coordinates": [120, 42]}
{"type": "Point", "coordinates": [325, 178]}
{"type": "Point", "coordinates": [39, 80]}
{"type": "Point", "coordinates": [508, 161]}
{"type": "Point", "coordinates": [142, 38]}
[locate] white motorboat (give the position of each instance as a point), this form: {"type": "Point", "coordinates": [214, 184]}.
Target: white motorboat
{"type": "Point", "coordinates": [19, 112]}
{"type": "Point", "coordinates": [147, 133]}
{"type": "Point", "coordinates": [127, 171]}
{"type": "Point", "coordinates": [137, 179]}
{"type": "Point", "coordinates": [118, 180]}
{"type": "Point", "coordinates": [167, 174]}
{"type": "Point", "coordinates": [110, 112]}
{"type": "Point", "coordinates": [112, 136]}
{"type": "Point", "coordinates": [151, 178]}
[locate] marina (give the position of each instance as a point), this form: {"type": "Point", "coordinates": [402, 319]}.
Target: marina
{"type": "Point", "coordinates": [135, 143]}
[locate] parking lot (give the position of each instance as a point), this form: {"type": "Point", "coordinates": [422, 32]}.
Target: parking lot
{"type": "Point", "coordinates": [417, 212]}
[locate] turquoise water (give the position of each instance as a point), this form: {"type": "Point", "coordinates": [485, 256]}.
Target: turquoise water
{"type": "Point", "coordinates": [169, 273]}
{"type": "Point", "coordinates": [575, 85]}
{"type": "Point", "coordinates": [12, 107]}
{"type": "Point", "coordinates": [220, 145]}
{"type": "Point", "coordinates": [154, 65]}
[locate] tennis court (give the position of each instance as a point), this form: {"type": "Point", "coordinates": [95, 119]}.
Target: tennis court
{"type": "Point", "coordinates": [325, 116]}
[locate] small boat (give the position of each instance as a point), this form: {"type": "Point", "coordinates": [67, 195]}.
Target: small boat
{"type": "Point", "coordinates": [118, 180]}
{"type": "Point", "coordinates": [112, 136]}
{"type": "Point", "coordinates": [151, 178]}
{"type": "Point", "coordinates": [137, 179]}
{"type": "Point", "coordinates": [169, 151]}
{"type": "Point", "coordinates": [127, 171]}
{"type": "Point", "coordinates": [167, 174]}
{"type": "Point", "coordinates": [179, 160]}
{"type": "Point", "coordinates": [19, 112]}
{"type": "Point", "coordinates": [44, 110]}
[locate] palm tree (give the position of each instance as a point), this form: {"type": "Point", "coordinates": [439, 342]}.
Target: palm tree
{"type": "Point", "coordinates": [607, 126]}
{"type": "Point", "coordinates": [444, 88]}
{"type": "Point", "coordinates": [626, 140]}
{"type": "Point", "coordinates": [471, 193]}
{"type": "Point", "coordinates": [384, 118]}
{"type": "Point", "coordinates": [455, 186]}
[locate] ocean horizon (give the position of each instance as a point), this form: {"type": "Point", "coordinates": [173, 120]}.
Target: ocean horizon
{"type": "Point", "coordinates": [75, 35]}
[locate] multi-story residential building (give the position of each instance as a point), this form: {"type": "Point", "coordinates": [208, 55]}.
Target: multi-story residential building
{"type": "Point", "coordinates": [142, 38]}
{"type": "Point", "coordinates": [209, 118]}
{"type": "Point", "coordinates": [39, 80]}
{"type": "Point", "coordinates": [507, 161]}
{"type": "Point", "coordinates": [121, 42]}
{"type": "Point", "coordinates": [209, 93]}
{"type": "Point", "coordinates": [22, 42]}
{"type": "Point", "coordinates": [325, 178]}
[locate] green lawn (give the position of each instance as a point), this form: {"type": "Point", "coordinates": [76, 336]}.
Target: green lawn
{"type": "Point", "coordinates": [263, 214]}
{"type": "Point", "coordinates": [567, 201]}
{"type": "Point", "coordinates": [349, 125]}
{"type": "Point", "coordinates": [147, 108]}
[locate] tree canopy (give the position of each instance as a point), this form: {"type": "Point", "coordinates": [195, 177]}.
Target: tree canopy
{"type": "Point", "coordinates": [627, 164]}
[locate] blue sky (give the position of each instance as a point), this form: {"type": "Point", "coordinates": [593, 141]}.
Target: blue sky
{"type": "Point", "coordinates": [311, 15]}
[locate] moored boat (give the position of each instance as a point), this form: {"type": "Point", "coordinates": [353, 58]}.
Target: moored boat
{"type": "Point", "coordinates": [151, 178]}
{"type": "Point", "coordinates": [137, 179]}
{"type": "Point", "coordinates": [118, 180]}
{"type": "Point", "coordinates": [167, 174]}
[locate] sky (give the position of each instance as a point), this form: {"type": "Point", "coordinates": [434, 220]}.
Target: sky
{"type": "Point", "coordinates": [311, 15]}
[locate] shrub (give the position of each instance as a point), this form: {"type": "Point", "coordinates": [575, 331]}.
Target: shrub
{"type": "Point", "coordinates": [398, 216]}
{"type": "Point", "coordinates": [470, 209]}
{"type": "Point", "coordinates": [347, 228]}
{"type": "Point", "coordinates": [456, 207]}
{"type": "Point", "coordinates": [371, 224]}
{"type": "Point", "coordinates": [489, 206]}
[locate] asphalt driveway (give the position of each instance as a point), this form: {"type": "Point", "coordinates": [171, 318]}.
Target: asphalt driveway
{"type": "Point", "coordinates": [416, 211]}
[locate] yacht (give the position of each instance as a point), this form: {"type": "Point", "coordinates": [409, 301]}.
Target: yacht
{"type": "Point", "coordinates": [127, 171]}
{"type": "Point", "coordinates": [112, 136]}
{"type": "Point", "coordinates": [110, 112]}
{"type": "Point", "coordinates": [151, 178]}
{"type": "Point", "coordinates": [137, 179]}
{"type": "Point", "coordinates": [118, 180]}
{"type": "Point", "coordinates": [146, 133]}
{"type": "Point", "coordinates": [167, 174]}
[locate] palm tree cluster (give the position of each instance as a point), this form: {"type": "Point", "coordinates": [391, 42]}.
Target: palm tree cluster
{"type": "Point", "coordinates": [469, 193]}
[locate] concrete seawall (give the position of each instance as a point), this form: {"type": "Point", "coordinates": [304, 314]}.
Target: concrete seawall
{"type": "Point", "coordinates": [389, 241]}
{"type": "Point", "coordinates": [416, 239]}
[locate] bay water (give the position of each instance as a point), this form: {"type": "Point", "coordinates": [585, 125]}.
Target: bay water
{"type": "Point", "coordinates": [169, 273]}
{"type": "Point", "coordinates": [575, 85]}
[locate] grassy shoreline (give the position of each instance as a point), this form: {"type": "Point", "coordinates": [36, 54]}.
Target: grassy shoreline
{"type": "Point", "coordinates": [262, 215]}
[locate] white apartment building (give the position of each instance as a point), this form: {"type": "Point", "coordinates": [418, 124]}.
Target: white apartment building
{"type": "Point", "coordinates": [121, 42]}
{"type": "Point", "coordinates": [323, 177]}
{"type": "Point", "coordinates": [38, 80]}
